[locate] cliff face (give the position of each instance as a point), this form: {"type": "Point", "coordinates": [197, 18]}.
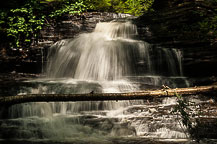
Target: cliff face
{"type": "Point", "coordinates": [71, 26]}
{"type": "Point", "coordinates": [176, 25]}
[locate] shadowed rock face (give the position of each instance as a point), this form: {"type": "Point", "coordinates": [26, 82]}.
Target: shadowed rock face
{"type": "Point", "coordinates": [161, 4]}
{"type": "Point", "coordinates": [176, 25]}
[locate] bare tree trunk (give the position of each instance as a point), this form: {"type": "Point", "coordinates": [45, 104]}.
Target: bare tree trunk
{"type": "Point", "coordinates": [204, 90]}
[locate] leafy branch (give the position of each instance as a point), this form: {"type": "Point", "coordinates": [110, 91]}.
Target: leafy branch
{"type": "Point", "coordinates": [22, 23]}
{"type": "Point", "coordinates": [69, 8]}
{"type": "Point", "coordinates": [183, 109]}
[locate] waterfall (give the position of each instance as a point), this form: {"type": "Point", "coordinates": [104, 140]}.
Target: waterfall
{"type": "Point", "coordinates": [108, 53]}
{"type": "Point", "coordinates": [111, 52]}
{"type": "Point", "coordinates": [110, 59]}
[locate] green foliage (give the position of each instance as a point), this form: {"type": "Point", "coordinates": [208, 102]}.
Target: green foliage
{"type": "Point", "coordinates": [22, 22]}
{"type": "Point", "coordinates": [2, 17]}
{"type": "Point", "coordinates": [67, 7]}
{"type": "Point", "coordinates": [98, 5]}
{"type": "Point", "coordinates": [49, 1]}
{"type": "Point", "coordinates": [23, 25]}
{"type": "Point", "coordinates": [209, 25]}
{"type": "Point", "coordinates": [133, 7]}
{"type": "Point", "coordinates": [183, 109]}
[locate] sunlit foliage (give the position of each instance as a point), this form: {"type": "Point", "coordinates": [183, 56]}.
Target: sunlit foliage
{"type": "Point", "coordinates": [134, 7]}
{"type": "Point", "coordinates": [22, 20]}
{"type": "Point", "coordinates": [22, 24]}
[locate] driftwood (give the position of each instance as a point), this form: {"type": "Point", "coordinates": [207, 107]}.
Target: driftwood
{"type": "Point", "coordinates": [204, 90]}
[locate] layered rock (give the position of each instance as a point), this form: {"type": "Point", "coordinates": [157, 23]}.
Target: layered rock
{"type": "Point", "coordinates": [175, 24]}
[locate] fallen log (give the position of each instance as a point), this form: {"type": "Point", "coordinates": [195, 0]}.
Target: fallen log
{"type": "Point", "coordinates": [149, 94]}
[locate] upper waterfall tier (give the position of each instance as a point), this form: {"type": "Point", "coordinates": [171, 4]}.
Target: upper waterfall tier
{"type": "Point", "coordinates": [110, 52]}
{"type": "Point", "coordinates": [115, 30]}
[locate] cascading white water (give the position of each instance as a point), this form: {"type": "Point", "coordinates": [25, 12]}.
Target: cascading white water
{"type": "Point", "coordinates": [110, 59]}
{"type": "Point", "coordinates": [108, 53]}
{"type": "Point", "coordinates": [111, 52]}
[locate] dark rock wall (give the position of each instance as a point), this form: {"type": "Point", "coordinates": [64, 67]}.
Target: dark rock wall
{"type": "Point", "coordinates": [176, 26]}
{"type": "Point", "coordinates": [70, 26]}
